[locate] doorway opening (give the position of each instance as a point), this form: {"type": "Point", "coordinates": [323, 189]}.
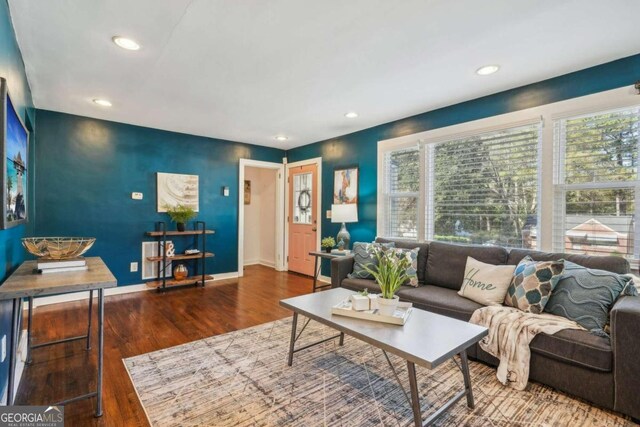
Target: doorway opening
{"type": "Point", "coordinates": [261, 215]}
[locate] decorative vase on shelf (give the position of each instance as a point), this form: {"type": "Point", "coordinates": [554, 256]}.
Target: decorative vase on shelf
{"type": "Point", "coordinates": [386, 306]}
{"type": "Point", "coordinates": [180, 226]}
{"type": "Point", "coordinates": [180, 272]}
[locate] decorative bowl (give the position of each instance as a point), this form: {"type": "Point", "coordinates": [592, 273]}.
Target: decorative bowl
{"type": "Point", "coordinates": [58, 247]}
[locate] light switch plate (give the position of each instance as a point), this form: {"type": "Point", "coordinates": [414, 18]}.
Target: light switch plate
{"type": "Point", "coordinates": [329, 214]}
{"type": "Point", "coordinates": [134, 267]}
{"type": "Point", "coordinates": [136, 196]}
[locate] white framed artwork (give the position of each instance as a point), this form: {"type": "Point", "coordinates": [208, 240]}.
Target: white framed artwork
{"type": "Point", "coordinates": [177, 189]}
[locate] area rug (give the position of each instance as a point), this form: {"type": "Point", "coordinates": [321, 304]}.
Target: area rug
{"type": "Point", "coordinates": [242, 379]}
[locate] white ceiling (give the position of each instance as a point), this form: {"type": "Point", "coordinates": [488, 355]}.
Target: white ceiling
{"type": "Point", "coordinates": [249, 70]}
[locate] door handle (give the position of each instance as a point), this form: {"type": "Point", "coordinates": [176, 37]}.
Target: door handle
{"type": "Point", "coordinates": [314, 229]}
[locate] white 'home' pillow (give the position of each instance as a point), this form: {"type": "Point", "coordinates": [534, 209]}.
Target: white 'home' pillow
{"type": "Point", "coordinates": [486, 284]}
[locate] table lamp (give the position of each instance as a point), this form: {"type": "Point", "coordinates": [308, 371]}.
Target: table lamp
{"type": "Point", "coordinates": [342, 214]}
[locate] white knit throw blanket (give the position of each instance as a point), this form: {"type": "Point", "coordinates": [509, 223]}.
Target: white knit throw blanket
{"type": "Point", "coordinates": [510, 332]}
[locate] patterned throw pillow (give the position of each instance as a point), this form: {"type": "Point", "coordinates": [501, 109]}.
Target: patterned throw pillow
{"type": "Point", "coordinates": [362, 256]}
{"type": "Point", "coordinates": [532, 284]}
{"type": "Point", "coordinates": [412, 270]}
{"type": "Point", "coordinates": [586, 295]}
{"type": "Point", "coordinates": [486, 284]}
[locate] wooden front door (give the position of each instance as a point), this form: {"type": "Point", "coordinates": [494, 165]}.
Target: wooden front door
{"type": "Point", "coordinates": [303, 199]}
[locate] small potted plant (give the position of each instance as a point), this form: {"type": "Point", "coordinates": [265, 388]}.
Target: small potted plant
{"type": "Point", "coordinates": [390, 274]}
{"type": "Point", "coordinates": [180, 214]}
{"type": "Point", "coordinates": [327, 244]}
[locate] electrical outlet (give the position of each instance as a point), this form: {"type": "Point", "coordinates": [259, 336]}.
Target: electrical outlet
{"type": "Point", "coordinates": [134, 267]}
{"type": "Point", "coordinates": [4, 348]}
{"type": "Point", "coordinates": [136, 196]}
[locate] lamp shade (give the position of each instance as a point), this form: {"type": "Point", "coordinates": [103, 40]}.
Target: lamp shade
{"type": "Point", "coordinates": [344, 213]}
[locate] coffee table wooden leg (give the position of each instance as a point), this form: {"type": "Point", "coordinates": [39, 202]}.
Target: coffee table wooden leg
{"type": "Point", "coordinates": [415, 396]}
{"type": "Point", "coordinates": [467, 378]}
{"type": "Point", "coordinates": [341, 338]}
{"type": "Point", "coordinates": [294, 326]}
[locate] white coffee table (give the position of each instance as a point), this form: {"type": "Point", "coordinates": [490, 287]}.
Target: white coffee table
{"type": "Point", "coordinates": [427, 340]}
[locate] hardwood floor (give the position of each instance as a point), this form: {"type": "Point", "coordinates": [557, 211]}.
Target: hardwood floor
{"type": "Point", "coordinates": [138, 323]}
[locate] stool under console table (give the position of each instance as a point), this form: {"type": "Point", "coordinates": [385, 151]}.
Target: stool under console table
{"type": "Point", "coordinates": [24, 283]}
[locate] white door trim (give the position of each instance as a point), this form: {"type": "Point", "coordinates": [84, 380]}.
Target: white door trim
{"type": "Point", "coordinates": [280, 211]}
{"type": "Point", "coordinates": [318, 162]}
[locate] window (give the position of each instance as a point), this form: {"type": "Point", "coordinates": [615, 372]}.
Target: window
{"type": "Point", "coordinates": [402, 186]}
{"type": "Point", "coordinates": [596, 183]}
{"type": "Point", "coordinates": [484, 188]}
{"type": "Point", "coordinates": [481, 188]}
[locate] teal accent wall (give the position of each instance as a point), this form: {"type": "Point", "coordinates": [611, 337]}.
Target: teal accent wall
{"type": "Point", "coordinates": [11, 252]}
{"type": "Point", "coordinates": [361, 147]}
{"type": "Point", "coordinates": [88, 169]}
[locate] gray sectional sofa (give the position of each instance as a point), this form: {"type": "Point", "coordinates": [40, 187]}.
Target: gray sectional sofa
{"type": "Point", "coordinates": [604, 371]}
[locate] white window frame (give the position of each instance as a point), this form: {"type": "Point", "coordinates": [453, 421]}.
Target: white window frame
{"type": "Point", "coordinates": [623, 97]}
{"type": "Point", "coordinates": [561, 187]}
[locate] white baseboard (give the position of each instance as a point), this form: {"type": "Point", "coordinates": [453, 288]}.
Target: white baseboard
{"type": "Point", "coordinates": [78, 296]}
{"type": "Point", "coordinates": [325, 279]}
{"type": "Point", "coordinates": [264, 262]}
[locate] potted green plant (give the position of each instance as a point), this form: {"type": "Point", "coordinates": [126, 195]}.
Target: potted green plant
{"type": "Point", "coordinates": [390, 274]}
{"type": "Point", "coordinates": [180, 214]}
{"type": "Point", "coordinates": [327, 244]}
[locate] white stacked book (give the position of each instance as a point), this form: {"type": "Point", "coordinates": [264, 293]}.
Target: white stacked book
{"type": "Point", "coordinates": [46, 266]}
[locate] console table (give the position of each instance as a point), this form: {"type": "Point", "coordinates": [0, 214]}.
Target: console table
{"type": "Point", "coordinates": [24, 283]}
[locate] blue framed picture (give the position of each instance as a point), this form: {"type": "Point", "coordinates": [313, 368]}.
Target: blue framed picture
{"type": "Point", "coordinates": [14, 138]}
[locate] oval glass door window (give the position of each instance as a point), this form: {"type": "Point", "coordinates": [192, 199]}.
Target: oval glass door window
{"type": "Point", "coordinates": [302, 198]}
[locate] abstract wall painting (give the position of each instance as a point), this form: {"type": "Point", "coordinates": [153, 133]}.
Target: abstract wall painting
{"type": "Point", "coordinates": [345, 185]}
{"type": "Point", "coordinates": [177, 189]}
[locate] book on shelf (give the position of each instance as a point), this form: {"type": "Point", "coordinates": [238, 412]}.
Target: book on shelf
{"type": "Point", "coordinates": [45, 264]}
{"type": "Point", "coordinates": [61, 269]}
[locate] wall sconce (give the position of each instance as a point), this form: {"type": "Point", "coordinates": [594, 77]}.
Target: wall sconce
{"type": "Point", "coordinates": [637, 86]}
{"type": "Point", "coordinates": [225, 191]}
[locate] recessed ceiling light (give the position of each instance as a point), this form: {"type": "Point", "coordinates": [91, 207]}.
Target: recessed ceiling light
{"type": "Point", "coordinates": [102, 102]}
{"type": "Point", "coordinates": [351, 115]}
{"type": "Point", "coordinates": [487, 69]}
{"type": "Point", "coordinates": [280, 138]}
{"type": "Point", "coordinates": [126, 43]}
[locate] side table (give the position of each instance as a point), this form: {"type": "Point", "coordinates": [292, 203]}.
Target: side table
{"type": "Point", "coordinates": [319, 255]}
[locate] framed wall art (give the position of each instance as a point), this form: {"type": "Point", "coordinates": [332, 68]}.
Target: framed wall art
{"type": "Point", "coordinates": [345, 185]}
{"type": "Point", "coordinates": [14, 139]}
{"type": "Point", "coordinates": [247, 192]}
{"type": "Point", "coordinates": [177, 189]}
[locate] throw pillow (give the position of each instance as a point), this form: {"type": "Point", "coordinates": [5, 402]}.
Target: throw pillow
{"type": "Point", "coordinates": [363, 256]}
{"type": "Point", "coordinates": [412, 270]}
{"type": "Point", "coordinates": [532, 283]}
{"type": "Point", "coordinates": [586, 296]}
{"type": "Point", "coordinates": [486, 284]}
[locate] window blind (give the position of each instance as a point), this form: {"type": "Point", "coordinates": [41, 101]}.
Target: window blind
{"type": "Point", "coordinates": [483, 189]}
{"type": "Point", "coordinates": [596, 183]}
{"type": "Point", "coordinates": [402, 185]}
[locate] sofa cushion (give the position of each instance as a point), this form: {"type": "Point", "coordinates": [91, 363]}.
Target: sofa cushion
{"type": "Point", "coordinates": [486, 283]}
{"type": "Point", "coordinates": [576, 347]}
{"type": "Point", "coordinates": [586, 295]}
{"type": "Point", "coordinates": [422, 253]}
{"type": "Point", "coordinates": [370, 285]}
{"type": "Point", "coordinates": [363, 256]}
{"type": "Point", "coordinates": [616, 264]}
{"type": "Point", "coordinates": [439, 300]}
{"type": "Point", "coordinates": [532, 284]}
{"type": "Point", "coordinates": [446, 262]}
